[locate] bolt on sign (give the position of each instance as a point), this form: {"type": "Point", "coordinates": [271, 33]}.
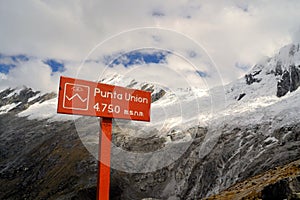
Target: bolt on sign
{"type": "Point", "coordinates": [81, 97]}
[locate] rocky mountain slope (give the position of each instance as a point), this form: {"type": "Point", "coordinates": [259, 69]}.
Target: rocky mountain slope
{"type": "Point", "coordinates": [279, 183]}
{"type": "Point", "coordinates": [257, 130]}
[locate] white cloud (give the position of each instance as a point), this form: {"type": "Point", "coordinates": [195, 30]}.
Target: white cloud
{"type": "Point", "coordinates": [34, 74]}
{"type": "Point", "coordinates": [231, 32]}
{"type": "Point", "coordinates": [3, 76]}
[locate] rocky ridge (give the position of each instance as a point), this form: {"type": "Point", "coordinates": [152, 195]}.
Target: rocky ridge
{"type": "Point", "coordinates": [285, 66]}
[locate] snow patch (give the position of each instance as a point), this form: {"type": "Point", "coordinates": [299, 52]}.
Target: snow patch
{"type": "Point", "coordinates": [270, 140]}
{"type": "Point", "coordinates": [14, 92]}
{"type": "Point", "coordinates": [7, 108]}
{"type": "Point", "coordinates": [34, 97]}
{"type": "Point", "coordinates": [45, 110]}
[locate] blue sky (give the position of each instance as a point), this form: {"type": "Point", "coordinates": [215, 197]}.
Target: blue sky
{"type": "Point", "coordinates": [138, 57]}
{"type": "Point", "coordinates": [8, 62]}
{"type": "Point", "coordinates": [5, 68]}
{"type": "Point", "coordinates": [56, 66]}
{"type": "Point", "coordinates": [127, 60]}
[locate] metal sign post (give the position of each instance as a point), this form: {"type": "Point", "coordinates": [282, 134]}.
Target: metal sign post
{"type": "Point", "coordinates": [80, 97]}
{"type": "Point", "coordinates": [103, 181]}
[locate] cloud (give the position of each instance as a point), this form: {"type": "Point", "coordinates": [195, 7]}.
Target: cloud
{"type": "Point", "coordinates": [34, 74]}
{"type": "Point", "coordinates": [231, 32]}
{"type": "Point", "coordinates": [56, 66]}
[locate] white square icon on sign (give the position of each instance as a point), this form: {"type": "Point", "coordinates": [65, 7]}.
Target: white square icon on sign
{"type": "Point", "coordinates": [76, 96]}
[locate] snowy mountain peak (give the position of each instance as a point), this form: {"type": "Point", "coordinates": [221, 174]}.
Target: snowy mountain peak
{"type": "Point", "coordinates": [286, 56]}
{"type": "Point", "coordinates": [19, 99]}
{"type": "Point", "coordinates": [289, 55]}
{"type": "Point", "coordinates": [277, 75]}
{"type": "Point", "coordinates": [285, 66]}
{"type": "Point", "coordinates": [261, 87]}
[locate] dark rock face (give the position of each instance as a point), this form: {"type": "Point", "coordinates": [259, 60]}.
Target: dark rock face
{"type": "Point", "coordinates": [284, 189]}
{"type": "Point", "coordinates": [158, 95]}
{"type": "Point", "coordinates": [289, 82]}
{"type": "Point", "coordinates": [283, 85]}
{"type": "Point", "coordinates": [250, 78]}
{"type": "Point", "coordinates": [276, 191]}
{"type": "Point", "coordinates": [42, 160]}
{"type": "Point", "coordinates": [289, 76]}
{"type": "Point", "coordinates": [85, 194]}
{"type": "Point", "coordinates": [241, 96]}
{"type": "Point", "coordinates": [295, 78]}
{"type": "Point", "coordinates": [22, 99]}
{"type": "Point", "coordinates": [238, 154]}
{"type": "Point", "coordinates": [278, 69]}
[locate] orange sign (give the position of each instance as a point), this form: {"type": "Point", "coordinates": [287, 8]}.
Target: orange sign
{"type": "Point", "coordinates": [82, 97]}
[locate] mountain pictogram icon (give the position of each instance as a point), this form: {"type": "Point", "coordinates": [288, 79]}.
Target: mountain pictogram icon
{"type": "Point", "coordinates": [76, 96]}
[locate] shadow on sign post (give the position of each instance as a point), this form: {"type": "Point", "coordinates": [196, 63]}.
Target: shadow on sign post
{"type": "Point", "coordinates": [81, 97]}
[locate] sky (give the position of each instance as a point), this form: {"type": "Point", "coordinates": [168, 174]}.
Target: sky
{"type": "Point", "coordinates": [203, 41]}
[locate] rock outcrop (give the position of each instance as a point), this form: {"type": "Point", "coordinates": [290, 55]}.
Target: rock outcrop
{"type": "Point", "coordinates": [47, 160]}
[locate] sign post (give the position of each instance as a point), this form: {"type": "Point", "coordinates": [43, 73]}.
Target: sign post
{"type": "Point", "coordinates": [103, 181]}
{"type": "Point", "coordinates": [80, 97]}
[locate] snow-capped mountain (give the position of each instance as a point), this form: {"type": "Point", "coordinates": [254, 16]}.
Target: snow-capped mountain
{"type": "Point", "coordinates": [274, 76]}
{"type": "Point", "coordinates": [268, 80]}
{"type": "Point", "coordinates": [268, 89]}
{"type": "Point", "coordinates": [249, 126]}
